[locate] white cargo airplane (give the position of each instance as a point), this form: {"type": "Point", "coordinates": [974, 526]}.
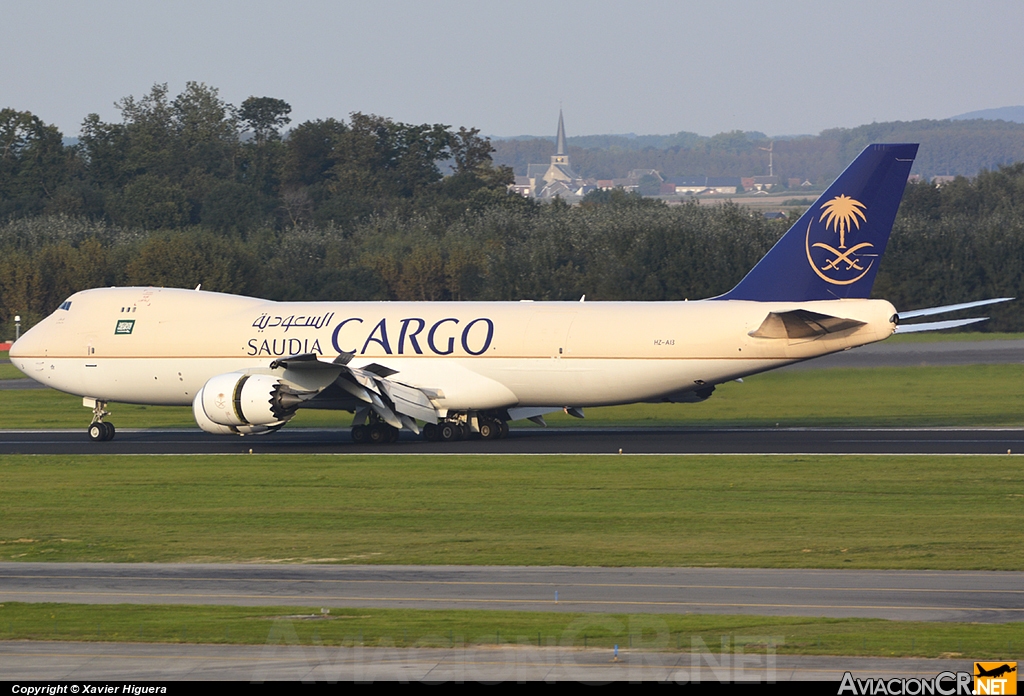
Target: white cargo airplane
{"type": "Point", "coordinates": [247, 365]}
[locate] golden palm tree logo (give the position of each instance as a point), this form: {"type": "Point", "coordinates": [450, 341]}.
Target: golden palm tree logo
{"type": "Point", "coordinates": [843, 214]}
{"type": "Point", "coordinates": [840, 266]}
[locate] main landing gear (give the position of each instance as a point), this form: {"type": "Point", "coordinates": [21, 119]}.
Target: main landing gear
{"type": "Point", "coordinates": [369, 428]}
{"type": "Point", "coordinates": [99, 431]}
{"type": "Point", "coordinates": [464, 426]}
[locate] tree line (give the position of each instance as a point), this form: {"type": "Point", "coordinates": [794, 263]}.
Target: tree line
{"type": "Point", "coordinates": [189, 190]}
{"type": "Point", "coordinates": [947, 148]}
{"type": "Point", "coordinates": [193, 159]}
{"type": "Point", "coordinates": [963, 241]}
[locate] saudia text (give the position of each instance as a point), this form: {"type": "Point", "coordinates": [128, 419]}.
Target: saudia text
{"type": "Point", "coordinates": [410, 336]}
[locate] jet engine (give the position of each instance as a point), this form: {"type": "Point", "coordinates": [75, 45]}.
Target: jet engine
{"type": "Point", "coordinates": [245, 404]}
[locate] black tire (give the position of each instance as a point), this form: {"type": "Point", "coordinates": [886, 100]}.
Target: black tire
{"type": "Point", "coordinates": [379, 434]}
{"type": "Point", "coordinates": [449, 432]}
{"type": "Point", "coordinates": [393, 433]}
{"type": "Point", "coordinates": [97, 432]}
{"type": "Point", "coordinates": [489, 429]}
{"type": "Point", "coordinates": [109, 428]}
{"type": "Point", "coordinates": [430, 432]}
{"type": "Point", "coordinates": [504, 428]}
{"type": "Point", "coordinates": [359, 434]}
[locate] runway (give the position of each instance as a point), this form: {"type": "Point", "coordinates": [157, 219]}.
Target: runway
{"type": "Point", "coordinates": [975, 596]}
{"type": "Point", "coordinates": [519, 662]}
{"type": "Point", "coordinates": [589, 440]}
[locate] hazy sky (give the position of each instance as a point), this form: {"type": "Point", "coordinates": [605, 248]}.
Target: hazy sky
{"type": "Point", "coordinates": [646, 67]}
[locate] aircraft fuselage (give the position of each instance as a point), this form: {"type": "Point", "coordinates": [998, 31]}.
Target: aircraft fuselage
{"type": "Point", "coordinates": [161, 345]}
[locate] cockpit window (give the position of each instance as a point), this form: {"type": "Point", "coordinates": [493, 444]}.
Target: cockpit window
{"type": "Point", "coordinates": [66, 304]}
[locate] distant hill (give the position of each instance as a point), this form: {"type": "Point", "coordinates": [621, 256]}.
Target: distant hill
{"type": "Point", "coordinates": [1014, 114]}
{"type": "Point", "coordinates": [948, 147]}
{"type": "Point", "coordinates": [632, 141]}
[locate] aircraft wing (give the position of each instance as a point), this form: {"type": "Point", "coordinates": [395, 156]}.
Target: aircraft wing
{"type": "Point", "coordinates": [398, 404]}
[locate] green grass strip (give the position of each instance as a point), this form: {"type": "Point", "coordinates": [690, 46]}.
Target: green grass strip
{"type": "Point", "coordinates": [968, 395]}
{"type": "Point", "coordinates": [899, 512]}
{"type": "Point", "coordinates": [458, 628]}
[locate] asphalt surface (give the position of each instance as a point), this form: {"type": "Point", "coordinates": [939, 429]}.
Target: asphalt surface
{"type": "Point", "coordinates": [975, 596]}
{"type": "Point", "coordinates": [520, 662]}
{"type": "Point", "coordinates": [592, 440]}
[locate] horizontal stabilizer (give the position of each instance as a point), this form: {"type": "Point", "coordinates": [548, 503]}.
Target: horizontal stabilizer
{"type": "Point", "coordinates": [937, 325]}
{"type": "Point", "coordinates": [951, 308]}
{"type": "Point", "coordinates": [802, 324]}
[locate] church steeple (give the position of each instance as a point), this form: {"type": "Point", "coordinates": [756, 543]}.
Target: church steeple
{"type": "Point", "coordinates": [561, 155]}
{"type": "Point", "coordinates": [560, 148]}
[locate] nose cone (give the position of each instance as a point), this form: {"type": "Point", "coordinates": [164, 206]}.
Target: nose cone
{"type": "Point", "coordinates": [32, 344]}
{"type": "Point", "coordinates": [18, 348]}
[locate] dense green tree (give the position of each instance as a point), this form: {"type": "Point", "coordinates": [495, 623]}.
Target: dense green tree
{"type": "Point", "coordinates": [33, 163]}
{"type": "Point", "coordinates": [265, 117]}
{"type": "Point", "coordinates": [186, 259]}
{"type": "Point", "coordinates": [469, 151]}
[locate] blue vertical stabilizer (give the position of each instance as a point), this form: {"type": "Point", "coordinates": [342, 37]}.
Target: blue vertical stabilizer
{"type": "Point", "coordinates": [834, 249]}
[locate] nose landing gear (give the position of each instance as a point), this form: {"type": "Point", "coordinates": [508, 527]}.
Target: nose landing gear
{"type": "Point", "coordinates": [99, 431]}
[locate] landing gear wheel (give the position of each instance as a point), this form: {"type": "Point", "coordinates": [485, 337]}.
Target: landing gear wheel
{"type": "Point", "coordinates": [101, 432]}
{"type": "Point", "coordinates": [359, 434]}
{"type": "Point", "coordinates": [379, 433]}
{"type": "Point", "coordinates": [504, 429]}
{"type": "Point", "coordinates": [430, 432]}
{"type": "Point", "coordinates": [393, 433]}
{"type": "Point", "coordinates": [489, 429]}
{"type": "Point", "coordinates": [451, 432]}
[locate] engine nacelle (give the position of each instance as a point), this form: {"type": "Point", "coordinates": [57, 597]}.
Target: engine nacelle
{"type": "Point", "coordinates": [243, 404]}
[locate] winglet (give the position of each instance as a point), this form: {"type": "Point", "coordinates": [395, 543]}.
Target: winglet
{"type": "Point", "coordinates": [834, 249]}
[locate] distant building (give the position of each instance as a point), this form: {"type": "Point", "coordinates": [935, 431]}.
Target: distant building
{"type": "Point", "coordinates": [703, 185]}
{"type": "Point", "coordinates": [759, 183]}
{"type": "Point", "coordinates": [557, 179]}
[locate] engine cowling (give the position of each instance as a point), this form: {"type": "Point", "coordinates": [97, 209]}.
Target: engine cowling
{"type": "Point", "coordinates": [244, 404]}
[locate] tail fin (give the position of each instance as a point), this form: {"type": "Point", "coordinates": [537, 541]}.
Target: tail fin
{"type": "Point", "coordinates": [834, 249]}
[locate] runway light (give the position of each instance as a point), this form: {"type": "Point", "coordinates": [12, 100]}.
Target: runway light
{"type": "Point", "coordinates": [620, 450]}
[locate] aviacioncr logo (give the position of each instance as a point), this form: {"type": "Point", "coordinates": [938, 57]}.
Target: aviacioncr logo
{"type": "Point", "coordinates": [839, 264]}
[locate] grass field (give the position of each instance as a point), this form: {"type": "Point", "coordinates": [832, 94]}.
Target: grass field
{"type": "Point", "coordinates": [739, 511]}
{"type": "Point", "coordinates": [971, 395]}
{"type": "Point", "coordinates": [455, 628]}
{"type": "Point", "coordinates": [818, 512]}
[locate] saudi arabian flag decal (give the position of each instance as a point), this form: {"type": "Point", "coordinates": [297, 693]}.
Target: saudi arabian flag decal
{"type": "Point", "coordinates": [124, 327]}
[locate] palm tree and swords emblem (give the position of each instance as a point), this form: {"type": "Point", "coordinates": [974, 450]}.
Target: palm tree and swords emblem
{"type": "Point", "coordinates": [843, 216]}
